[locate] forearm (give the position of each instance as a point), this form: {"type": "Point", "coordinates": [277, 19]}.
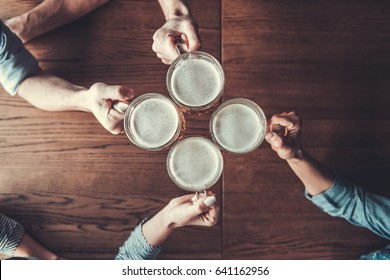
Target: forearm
{"type": "Point", "coordinates": [51, 93]}
{"type": "Point", "coordinates": [28, 247]}
{"type": "Point", "coordinates": [316, 177]}
{"type": "Point", "coordinates": [173, 8]}
{"type": "Point", "coordinates": [51, 14]}
{"type": "Point", "coordinates": [157, 229]}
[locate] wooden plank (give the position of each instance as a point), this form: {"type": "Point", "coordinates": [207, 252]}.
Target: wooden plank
{"type": "Point", "coordinates": [329, 61]}
{"type": "Point", "coordinates": [76, 188]}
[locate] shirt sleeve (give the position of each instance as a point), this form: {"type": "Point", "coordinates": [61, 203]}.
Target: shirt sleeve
{"type": "Point", "coordinates": [11, 232]}
{"type": "Point", "coordinates": [16, 62]}
{"type": "Point", "coordinates": [382, 254]}
{"type": "Point", "coordinates": [136, 247]}
{"type": "Point", "coordinates": [351, 202]}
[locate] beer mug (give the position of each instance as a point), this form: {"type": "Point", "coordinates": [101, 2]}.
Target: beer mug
{"type": "Point", "coordinates": [239, 126]}
{"type": "Point", "coordinates": [195, 80]}
{"type": "Point", "coordinates": [195, 164]}
{"type": "Point", "coordinates": [153, 122]}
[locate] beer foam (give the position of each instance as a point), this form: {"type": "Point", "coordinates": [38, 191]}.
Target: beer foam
{"type": "Point", "coordinates": [154, 122]}
{"type": "Point", "coordinates": [237, 128]}
{"type": "Point", "coordinates": [195, 163]}
{"type": "Point", "coordinates": [196, 82]}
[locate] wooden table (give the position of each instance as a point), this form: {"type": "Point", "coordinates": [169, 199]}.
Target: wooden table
{"type": "Point", "coordinates": [80, 191]}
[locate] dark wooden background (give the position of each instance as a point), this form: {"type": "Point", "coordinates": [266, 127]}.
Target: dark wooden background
{"type": "Point", "coordinates": [80, 191]}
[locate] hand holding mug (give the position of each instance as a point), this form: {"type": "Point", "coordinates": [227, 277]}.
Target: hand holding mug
{"type": "Point", "coordinates": [100, 99]}
{"type": "Point", "coordinates": [287, 146]}
{"type": "Point", "coordinates": [182, 211]}
{"type": "Point", "coordinates": [183, 26]}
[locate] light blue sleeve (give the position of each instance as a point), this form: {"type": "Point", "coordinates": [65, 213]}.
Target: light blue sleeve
{"type": "Point", "coordinates": [381, 254]}
{"type": "Point", "coordinates": [348, 201]}
{"type": "Point", "coordinates": [16, 63]}
{"type": "Point", "coordinates": [136, 247]}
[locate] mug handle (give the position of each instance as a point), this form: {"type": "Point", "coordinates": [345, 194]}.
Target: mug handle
{"type": "Point", "coordinates": [278, 129]}
{"type": "Point", "coordinates": [180, 46]}
{"type": "Point", "coordinates": [120, 106]}
{"type": "Point", "coordinates": [195, 198]}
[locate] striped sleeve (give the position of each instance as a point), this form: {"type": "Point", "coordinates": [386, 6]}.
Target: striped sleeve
{"type": "Point", "coordinates": [16, 62]}
{"type": "Point", "coordinates": [136, 247]}
{"type": "Point", "coordinates": [11, 232]}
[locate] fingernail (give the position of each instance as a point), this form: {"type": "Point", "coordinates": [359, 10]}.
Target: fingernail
{"type": "Point", "coordinates": [209, 201]}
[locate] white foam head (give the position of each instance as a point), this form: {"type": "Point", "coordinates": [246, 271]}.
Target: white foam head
{"type": "Point", "coordinates": [196, 82]}
{"type": "Point", "coordinates": [153, 121]}
{"type": "Point", "coordinates": [238, 127]}
{"type": "Point", "coordinates": [195, 163]}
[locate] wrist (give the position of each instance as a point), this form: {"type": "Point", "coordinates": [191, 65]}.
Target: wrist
{"type": "Point", "coordinates": [168, 220]}
{"type": "Point", "coordinates": [83, 100]}
{"type": "Point", "coordinates": [298, 156]}
{"type": "Point", "coordinates": [174, 9]}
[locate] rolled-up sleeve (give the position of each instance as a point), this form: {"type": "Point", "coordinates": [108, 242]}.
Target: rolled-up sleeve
{"type": "Point", "coordinates": [136, 247]}
{"type": "Point", "coordinates": [345, 199]}
{"type": "Point", "coordinates": [16, 62]}
{"type": "Point", "coordinates": [11, 232]}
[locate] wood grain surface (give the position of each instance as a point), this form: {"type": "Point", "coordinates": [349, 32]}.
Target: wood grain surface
{"type": "Point", "coordinates": [328, 61]}
{"type": "Point", "coordinates": [80, 191]}
{"type": "Point", "coordinates": [76, 188]}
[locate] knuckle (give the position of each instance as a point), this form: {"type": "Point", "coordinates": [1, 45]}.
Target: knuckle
{"type": "Point", "coordinates": [95, 86]}
{"type": "Point", "coordinates": [199, 207]}
{"type": "Point", "coordinates": [155, 35]}
{"type": "Point", "coordinates": [154, 47]}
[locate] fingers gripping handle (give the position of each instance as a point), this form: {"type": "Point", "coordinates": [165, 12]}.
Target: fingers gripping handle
{"type": "Point", "coordinates": [180, 46]}
{"type": "Point", "coordinates": [278, 129]}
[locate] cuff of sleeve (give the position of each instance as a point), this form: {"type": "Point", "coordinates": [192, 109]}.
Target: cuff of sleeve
{"type": "Point", "coordinates": [137, 247]}
{"type": "Point", "coordinates": [11, 234]}
{"type": "Point", "coordinates": [152, 250]}
{"type": "Point", "coordinates": [332, 198]}
{"type": "Point", "coordinates": [16, 62]}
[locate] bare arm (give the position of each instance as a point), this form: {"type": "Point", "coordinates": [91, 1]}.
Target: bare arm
{"type": "Point", "coordinates": [316, 177]}
{"type": "Point", "coordinates": [51, 93]}
{"type": "Point", "coordinates": [49, 15]}
{"type": "Point", "coordinates": [329, 191]}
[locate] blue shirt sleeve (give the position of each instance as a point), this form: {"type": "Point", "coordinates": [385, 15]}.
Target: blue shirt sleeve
{"type": "Point", "coordinates": [16, 63]}
{"type": "Point", "coordinates": [11, 232]}
{"type": "Point", "coordinates": [346, 200]}
{"type": "Point", "coordinates": [382, 254]}
{"type": "Point", "coordinates": [136, 247]}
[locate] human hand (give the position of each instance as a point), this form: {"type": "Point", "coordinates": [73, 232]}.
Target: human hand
{"type": "Point", "coordinates": [100, 99]}
{"type": "Point", "coordinates": [183, 26]}
{"type": "Point", "coordinates": [181, 211]}
{"type": "Point", "coordinates": [288, 146]}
